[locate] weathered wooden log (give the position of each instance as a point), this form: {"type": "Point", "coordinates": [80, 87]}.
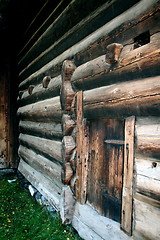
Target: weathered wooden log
{"type": "Point", "coordinates": [113, 52]}
{"type": "Point", "coordinates": [67, 20]}
{"type": "Point", "coordinates": [40, 163]}
{"type": "Point", "coordinates": [146, 221]}
{"type": "Point", "coordinates": [124, 99]}
{"type": "Point", "coordinates": [46, 186]}
{"type": "Point", "coordinates": [133, 63]}
{"type": "Point", "coordinates": [48, 148]}
{"type": "Point", "coordinates": [95, 42]}
{"type": "Point", "coordinates": [68, 145]}
{"type": "Point", "coordinates": [46, 110]}
{"type": "Point", "coordinates": [68, 173]}
{"type": "Point", "coordinates": [67, 93]}
{"type": "Point", "coordinates": [147, 137]}
{"type": "Point", "coordinates": [40, 93]}
{"type": "Point", "coordinates": [41, 129]}
{"type": "Point", "coordinates": [67, 124]}
{"type": "Point", "coordinates": [30, 89]}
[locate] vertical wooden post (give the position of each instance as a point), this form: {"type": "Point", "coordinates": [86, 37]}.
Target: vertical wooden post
{"type": "Point", "coordinates": [127, 193]}
{"type": "Point", "coordinates": [82, 151]}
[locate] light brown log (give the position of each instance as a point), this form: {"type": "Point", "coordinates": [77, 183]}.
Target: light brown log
{"type": "Point", "coordinates": [40, 163]}
{"type": "Point", "coordinates": [68, 145]}
{"type": "Point", "coordinates": [146, 221]}
{"type": "Point", "coordinates": [68, 173]}
{"type": "Point", "coordinates": [41, 129]}
{"type": "Point", "coordinates": [67, 124]}
{"type": "Point", "coordinates": [49, 188]}
{"type": "Point", "coordinates": [113, 52]}
{"type": "Point", "coordinates": [49, 148]}
{"type": "Point", "coordinates": [47, 110]}
{"type": "Point", "coordinates": [148, 137]}
{"type": "Point", "coordinates": [123, 99]}
{"type": "Point", "coordinates": [95, 42]}
{"type": "Point", "coordinates": [40, 93]}
{"type": "Point", "coordinates": [146, 199]}
{"type": "Point", "coordinates": [127, 193]}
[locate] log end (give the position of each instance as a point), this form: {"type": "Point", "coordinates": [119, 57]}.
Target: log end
{"type": "Point", "coordinates": [113, 53]}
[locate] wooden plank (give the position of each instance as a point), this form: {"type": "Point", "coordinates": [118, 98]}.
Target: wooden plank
{"type": "Point", "coordinates": [49, 148]}
{"type": "Point", "coordinates": [126, 222]}
{"type": "Point", "coordinates": [98, 38]}
{"type": "Point", "coordinates": [146, 221]}
{"type": "Point", "coordinates": [46, 186]}
{"type": "Point", "coordinates": [82, 138]}
{"type": "Point", "coordinates": [40, 163]}
{"type": "Point", "coordinates": [47, 110]}
{"type": "Point", "coordinates": [41, 129]}
{"type": "Point", "coordinates": [116, 100]}
{"type": "Point", "coordinates": [91, 225]}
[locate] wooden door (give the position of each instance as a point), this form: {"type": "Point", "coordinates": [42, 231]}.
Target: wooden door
{"type": "Point", "coordinates": [106, 166]}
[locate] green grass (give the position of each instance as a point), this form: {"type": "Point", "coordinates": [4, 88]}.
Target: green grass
{"type": "Point", "coordinates": [21, 217]}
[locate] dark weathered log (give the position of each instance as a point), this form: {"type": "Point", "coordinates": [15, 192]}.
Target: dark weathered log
{"type": "Point", "coordinates": [40, 93]}
{"type": "Point", "coordinates": [68, 19]}
{"type": "Point", "coordinates": [67, 124]}
{"type": "Point", "coordinates": [67, 93]}
{"type": "Point", "coordinates": [124, 99]}
{"type": "Point", "coordinates": [47, 110]}
{"type": "Point", "coordinates": [49, 188]}
{"type": "Point", "coordinates": [113, 52]}
{"type": "Point", "coordinates": [40, 163]}
{"type": "Point", "coordinates": [49, 148]}
{"type": "Point", "coordinates": [46, 81]}
{"type": "Point", "coordinates": [124, 25]}
{"type": "Point", "coordinates": [133, 63]}
{"type": "Point", "coordinates": [46, 130]}
{"type": "Point", "coordinates": [68, 145]}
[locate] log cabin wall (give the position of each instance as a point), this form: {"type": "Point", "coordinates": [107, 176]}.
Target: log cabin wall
{"type": "Point", "coordinates": [77, 68]}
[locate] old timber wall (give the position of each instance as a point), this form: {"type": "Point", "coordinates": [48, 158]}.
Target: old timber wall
{"type": "Point", "coordinates": [82, 67]}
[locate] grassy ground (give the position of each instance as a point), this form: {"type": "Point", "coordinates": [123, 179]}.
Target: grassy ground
{"type": "Point", "coordinates": [22, 218]}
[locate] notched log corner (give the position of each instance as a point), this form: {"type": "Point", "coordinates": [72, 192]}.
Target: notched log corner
{"type": "Point", "coordinates": [46, 81]}
{"type": "Point", "coordinates": [113, 53]}
{"type": "Point", "coordinates": [68, 68]}
{"type": "Point", "coordinates": [30, 89]}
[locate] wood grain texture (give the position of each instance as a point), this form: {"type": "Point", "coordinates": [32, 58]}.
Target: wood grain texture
{"type": "Point", "coordinates": [40, 163]}
{"type": "Point", "coordinates": [46, 186]}
{"type": "Point", "coordinates": [47, 110]}
{"type": "Point", "coordinates": [41, 129]}
{"type": "Point", "coordinates": [49, 148]}
{"type": "Point", "coordinates": [127, 195]}
{"type": "Point", "coordinates": [123, 99]}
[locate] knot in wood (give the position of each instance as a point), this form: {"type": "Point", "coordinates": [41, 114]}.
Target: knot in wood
{"type": "Point", "coordinates": [113, 52]}
{"type": "Point", "coordinates": [68, 68]}
{"type": "Point", "coordinates": [30, 89]}
{"type": "Point", "coordinates": [46, 81]}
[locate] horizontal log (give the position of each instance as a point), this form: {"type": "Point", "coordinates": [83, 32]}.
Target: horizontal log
{"type": "Point", "coordinates": [67, 20]}
{"type": "Point", "coordinates": [40, 93]}
{"type": "Point", "coordinates": [48, 148]}
{"type": "Point", "coordinates": [47, 110]}
{"type": "Point", "coordinates": [140, 97]}
{"type": "Point", "coordinates": [85, 221]}
{"type": "Point", "coordinates": [41, 129]}
{"type": "Point", "coordinates": [146, 221]}
{"type": "Point", "coordinates": [40, 163]}
{"type": "Point", "coordinates": [145, 199]}
{"type": "Point", "coordinates": [148, 186]}
{"type": "Point", "coordinates": [46, 186]}
{"type": "Point", "coordinates": [148, 167]}
{"type": "Point", "coordinates": [93, 46]}
{"type": "Point", "coordinates": [133, 63]}
{"type": "Point", "coordinates": [147, 137]}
